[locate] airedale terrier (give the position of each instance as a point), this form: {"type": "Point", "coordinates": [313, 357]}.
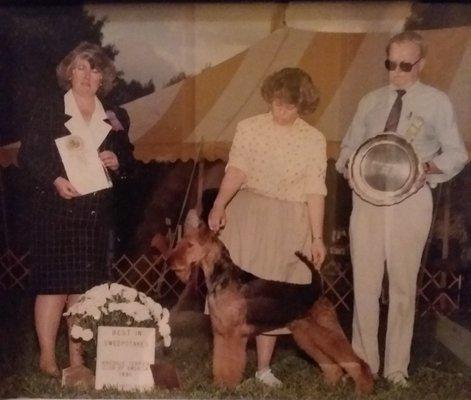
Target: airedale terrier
{"type": "Point", "coordinates": [242, 305]}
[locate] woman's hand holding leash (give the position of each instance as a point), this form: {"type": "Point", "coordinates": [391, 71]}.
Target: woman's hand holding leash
{"type": "Point", "coordinates": [318, 252]}
{"type": "Point", "coordinates": [217, 218]}
{"type": "Point", "coordinates": [230, 184]}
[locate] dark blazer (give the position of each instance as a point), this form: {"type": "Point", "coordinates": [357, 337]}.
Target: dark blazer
{"type": "Point", "coordinates": [40, 157]}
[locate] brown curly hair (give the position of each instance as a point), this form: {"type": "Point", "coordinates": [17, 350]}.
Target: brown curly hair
{"type": "Point", "coordinates": [97, 58]}
{"type": "Point", "coordinates": [292, 86]}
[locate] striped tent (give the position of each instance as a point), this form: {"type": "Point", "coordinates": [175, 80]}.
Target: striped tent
{"type": "Point", "coordinates": [197, 117]}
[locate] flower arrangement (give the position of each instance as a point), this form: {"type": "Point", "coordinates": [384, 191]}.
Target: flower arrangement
{"type": "Point", "coordinates": [115, 305]}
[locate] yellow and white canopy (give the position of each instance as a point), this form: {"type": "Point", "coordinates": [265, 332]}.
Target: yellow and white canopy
{"type": "Point", "coordinates": [201, 112]}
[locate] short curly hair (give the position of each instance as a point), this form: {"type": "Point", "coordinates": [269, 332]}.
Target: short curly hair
{"type": "Point", "coordinates": [292, 86]}
{"type": "Point", "coordinates": [97, 58]}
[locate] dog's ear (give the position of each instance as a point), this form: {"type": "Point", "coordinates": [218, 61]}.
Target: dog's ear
{"type": "Point", "coordinates": [161, 243]}
{"type": "Point", "coordinates": [192, 222]}
{"type": "Point", "coordinates": [205, 234]}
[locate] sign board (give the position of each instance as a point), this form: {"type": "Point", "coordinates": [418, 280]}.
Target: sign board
{"type": "Point", "coordinates": [124, 356]}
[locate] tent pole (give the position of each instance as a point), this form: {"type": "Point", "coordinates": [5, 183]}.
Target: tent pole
{"type": "Point", "coordinates": [278, 19]}
{"type": "Point", "coordinates": [199, 198]}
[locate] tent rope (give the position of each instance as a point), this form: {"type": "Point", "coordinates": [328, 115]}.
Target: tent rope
{"type": "Point", "coordinates": [187, 194]}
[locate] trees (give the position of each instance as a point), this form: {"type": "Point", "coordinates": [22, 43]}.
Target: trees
{"type": "Point", "coordinates": [33, 40]}
{"type": "Point", "coordinates": [426, 15]}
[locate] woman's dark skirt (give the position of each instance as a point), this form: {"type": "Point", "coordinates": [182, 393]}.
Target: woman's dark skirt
{"type": "Point", "coordinates": [68, 257]}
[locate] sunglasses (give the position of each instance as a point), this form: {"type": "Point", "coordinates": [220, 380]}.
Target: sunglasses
{"type": "Point", "coordinates": [403, 66]}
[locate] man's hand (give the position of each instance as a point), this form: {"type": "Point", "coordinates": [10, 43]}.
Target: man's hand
{"type": "Point", "coordinates": [346, 174]}
{"type": "Point", "coordinates": [421, 180]}
{"type": "Point", "coordinates": [427, 168]}
{"type": "Point", "coordinates": [65, 188]}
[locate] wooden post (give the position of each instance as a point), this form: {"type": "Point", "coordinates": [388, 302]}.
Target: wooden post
{"type": "Point", "coordinates": [278, 19]}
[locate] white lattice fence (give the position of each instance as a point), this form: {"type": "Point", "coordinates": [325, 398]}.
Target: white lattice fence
{"type": "Point", "coordinates": [152, 277]}
{"type": "Point", "coordinates": [337, 283]}
{"type": "Point", "coordinates": [440, 290]}
{"type": "Point", "coordinates": [13, 270]}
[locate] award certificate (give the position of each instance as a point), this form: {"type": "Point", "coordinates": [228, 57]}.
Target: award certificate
{"type": "Point", "coordinates": [82, 164]}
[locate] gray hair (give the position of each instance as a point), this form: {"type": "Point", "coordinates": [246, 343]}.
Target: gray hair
{"type": "Point", "coordinates": [408, 36]}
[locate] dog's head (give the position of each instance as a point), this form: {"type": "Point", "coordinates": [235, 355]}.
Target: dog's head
{"type": "Point", "coordinates": [192, 249]}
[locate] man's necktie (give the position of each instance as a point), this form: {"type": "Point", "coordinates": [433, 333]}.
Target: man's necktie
{"type": "Point", "coordinates": [393, 119]}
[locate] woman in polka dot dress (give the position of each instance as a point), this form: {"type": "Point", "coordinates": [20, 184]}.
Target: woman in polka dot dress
{"type": "Point", "coordinates": [273, 191]}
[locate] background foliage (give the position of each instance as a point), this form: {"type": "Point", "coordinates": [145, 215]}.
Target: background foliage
{"type": "Point", "coordinates": [33, 40]}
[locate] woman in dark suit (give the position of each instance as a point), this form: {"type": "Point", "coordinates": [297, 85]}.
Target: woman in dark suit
{"type": "Point", "coordinates": [71, 231]}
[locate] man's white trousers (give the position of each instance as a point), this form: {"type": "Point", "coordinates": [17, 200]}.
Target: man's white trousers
{"type": "Point", "coordinates": [393, 237]}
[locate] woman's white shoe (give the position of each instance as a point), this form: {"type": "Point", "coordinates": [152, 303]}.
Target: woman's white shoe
{"type": "Point", "coordinates": [267, 378]}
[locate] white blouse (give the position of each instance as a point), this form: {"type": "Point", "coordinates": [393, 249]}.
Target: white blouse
{"type": "Point", "coordinates": [287, 163]}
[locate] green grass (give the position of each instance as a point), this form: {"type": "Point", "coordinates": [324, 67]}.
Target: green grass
{"type": "Point", "coordinates": [435, 373]}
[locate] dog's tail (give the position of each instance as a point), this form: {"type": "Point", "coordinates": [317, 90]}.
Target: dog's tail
{"type": "Point", "coordinates": [316, 276]}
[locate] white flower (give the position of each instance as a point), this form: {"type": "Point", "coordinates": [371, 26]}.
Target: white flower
{"type": "Point", "coordinates": [76, 309]}
{"type": "Point", "coordinates": [100, 301]}
{"type": "Point", "coordinates": [67, 313]}
{"type": "Point", "coordinates": [98, 292]}
{"type": "Point", "coordinates": [128, 308]}
{"type": "Point", "coordinates": [142, 298]}
{"type": "Point", "coordinates": [142, 315]}
{"type": "Point", "coordinates": [87, 334]}
{"type": "Point", "coordinates": [116, 288]}
{"type": "Point", "coordinates": [155, 308]}
{"type": "Point", "coordinates": [164, 328]}
{"type": "Point", "coordinates": [94, 312]}
{"type": "Point", "coordinates": [129, 294]}
{"type": "Point", "coordinates": [73, 309]}
{"type": "Point", "coordinates": [136, 310]}
{"type": "Point", "coordinates": [165, 315]}
{"type": "Point", "coordinates": [115, 307]}
{"type": "Point", "coordinates": [77, 332]}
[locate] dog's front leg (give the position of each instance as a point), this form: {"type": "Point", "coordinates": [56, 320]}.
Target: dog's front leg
{"type": "Point", "coordinates": [229, 358]}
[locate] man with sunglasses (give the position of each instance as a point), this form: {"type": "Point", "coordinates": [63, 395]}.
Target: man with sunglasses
{"type": "Point", "coordinates": [394, 236]}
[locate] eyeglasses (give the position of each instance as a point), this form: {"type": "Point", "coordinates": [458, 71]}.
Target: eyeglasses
{"type": "Point", "coordinates": [403, 66]}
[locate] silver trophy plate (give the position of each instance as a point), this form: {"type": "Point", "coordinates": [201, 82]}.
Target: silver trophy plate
{"type": "Point", "coordinates": [384, 170]}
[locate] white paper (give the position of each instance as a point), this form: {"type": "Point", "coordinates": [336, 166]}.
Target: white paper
{"type": "Point", "coordinates": [124, 356]}
{"type": "Point", "coordinates": [84, 169]}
